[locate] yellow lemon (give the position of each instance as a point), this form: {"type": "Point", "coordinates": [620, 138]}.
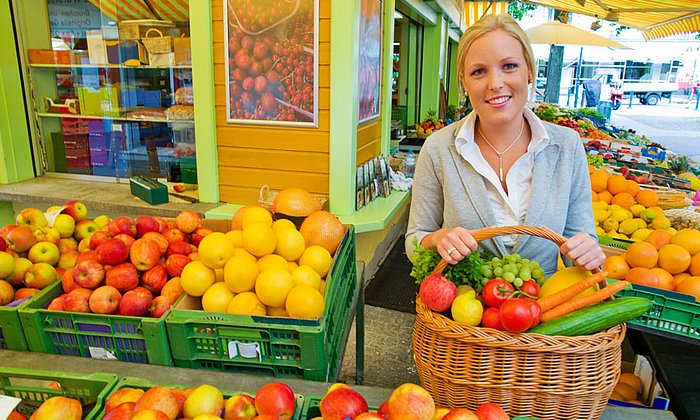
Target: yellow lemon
{"type": "Point", "coordinates": [281, 224]}
{"type": "Point", "coordinates": [196, 278]}
{"type": "Point", "coordinates": [290, 244]}
{"type": "Point", "coordinates": [641, 224]}
{"type": "Point", "coordinates": [256, 214]}
{"type": "Point", "coordinates": [641, 234]}
{"type": "Point", "coordinates": [306, 275]}
{"type": "Point", "coordinates": [621, 215]}
{"type": "Point", "coordinates": [318, 258]}
{"type": "Point", "coordinates": [215, 249]}
{"type": "Point", "coordinates": [615, 207]}
{"type": "Point", "coordinates": [610, 225]}
{"type": "Point", "coordinates": [273, 285]}
{"type": "Point", "coordinates": [463, 289]}
{"type": "Point", "coordinates": [467, 310]}
{"type": "Point", "coordinates": [246, 303]}
{"type": "Point", "coordinates": [236, 236]}
{"type": "Point", "coordinates": [272, 261]}
{"type": "Point", "coordinates": [661, 222]}
{"type": "Point", "coordinates": [240, 274]}
{"type": "Point", "coordinates": [216, 298]}
{"type": "Point", "coordinates": [600, 215]}
{"type": "Point", "coordinates": [305, 302]}
{"type": "Point", "coordinates": [599, 231]}
{"type": "Point", "coordinates": [600, 205]}
{"type": "Point", "coordinates": [259, 239]}
{"type": "Point", "coordinates": [628, 226]}
{"type": "Point", "coordinates": [647, 215]}
{"type": "Point", "coordinates": [637, 209]}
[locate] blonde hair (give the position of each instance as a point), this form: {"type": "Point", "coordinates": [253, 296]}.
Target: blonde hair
{"type": "Point", "coordinates": [490, 23]}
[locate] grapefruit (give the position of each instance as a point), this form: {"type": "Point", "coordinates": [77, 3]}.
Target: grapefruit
{"type": "Point", "coordinates": [323, 228]}
{"type": "Point", "coordinates": [295, 202]}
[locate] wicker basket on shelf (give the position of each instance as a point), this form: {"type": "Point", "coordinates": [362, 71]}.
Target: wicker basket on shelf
{"type": "Point", "coordinates": [548, 377]}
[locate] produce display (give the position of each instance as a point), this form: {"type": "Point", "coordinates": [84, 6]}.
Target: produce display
{"type": "Point", "coordinates": [428, 125]}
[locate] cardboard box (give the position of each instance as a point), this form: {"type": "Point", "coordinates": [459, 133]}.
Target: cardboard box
{"type": "Point", "coordinates": [653, 393]}
{"type": "Point", "coordinates": [183, 50]}
{"type": "Point", "coordinates": [97, 48]}
{"type": "Point", "coordinates": [42, 56]}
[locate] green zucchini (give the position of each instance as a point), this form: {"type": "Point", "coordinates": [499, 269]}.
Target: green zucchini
{"type": "Point", "coordinates": [595, 318]}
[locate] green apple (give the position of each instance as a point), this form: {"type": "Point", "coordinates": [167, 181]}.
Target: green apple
{"type": "Point", "coordinates": [102, 220]}
{"type": "Point", "coordinates": [17, 276]}
{"type": "Point", "coordinates": [47, 234]}
{"type": "Point", "coordinates": [65, 225]}
{"type": "Point", "coordinates": [45, 252]}
{"type": "Point", "coordinates": [7, 264]}
{"type": "Point", "coordinates": [32, 217]}
{"type": "Point", "coordinates": [84, 229]}
{"type": "Point", "coordinates": [40, 275]}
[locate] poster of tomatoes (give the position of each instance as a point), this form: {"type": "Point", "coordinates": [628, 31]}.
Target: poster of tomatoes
{"type": "Point", "coordinates": [370, 59]}
{"type": "Point", "coordinates": [272, 62]}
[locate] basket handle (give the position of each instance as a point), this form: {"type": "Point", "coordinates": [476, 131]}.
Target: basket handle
{"type": "Point", "coordinates": [156, 30]}
{"type": "Point", "coordinates": [491, 232]}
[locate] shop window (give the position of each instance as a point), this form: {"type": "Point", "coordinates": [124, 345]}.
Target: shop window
{"type": "Point", "coordinates": [112, 89]}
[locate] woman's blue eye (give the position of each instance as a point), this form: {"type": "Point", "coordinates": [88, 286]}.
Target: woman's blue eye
{"type": "Point", "coordinates": [477, 72]}
{"type": "Point", "coordinates": [511, 66]}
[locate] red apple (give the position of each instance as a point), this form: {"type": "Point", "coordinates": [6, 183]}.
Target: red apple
{"type": "Point", "coordinates": [123, 395]}
{"type": "Point", "coordinates": [88, 274]}
{"type": "Point", "coordinates": [491, 411]}
{"type": "Point", "coordinates": [5, 230]}
{"type": "Point", "coordinates": [84, 245]}
{"type": "Point", "coordinates": [123, 411]}
{"type": "Point", "coordinates": [7, 293]}
{"type": "Point", "coordinates": [47, 234]}
{"type": "Point", "coordinates": [105, 300]}
{"type": "Point", "coordinates": [172, 289]}
{"type": "Point", "coordinates": [123, 277]}
{"type": "Point", "coordinates": [240, 407]}
{"type": "Point", "coordinates": [180, 247]}
{"type": "Point", "coordinates": [154, 279]}
{"type": "Point", "coordinates": [40, 275]}
{"type": "Point", "coordinates": [199, 234]}
{"type": "Point", "coordinates": [437, 292]}
{"type": "Point", "coordinates": [84, 229]}
{"type": "Point", "coordinates": [136, 302]}
{"type": "Point", "coordinates": [159, 306]}
{"type": "Point", "coordinates": [384, 409]}
{"type": "Point", "coordinates": [67, 282]}
{"type": "Point", "coordinates": [102, 220]}
{"type": "Point", "coordinates": [122, 224]}
{"type": "Point", "coordinates": [59, 272]}
{"type": "Point", "coordinates": [21, 238]}
{"type": "Point", "coordinates": [341, 403]}
{"type": "Point", "coordinates": [98, 238]}
{"type": "Point", "coordinates": [112, 252]}
{"type": "Point", "coordinates": [57, 303]}
{"type": "Point", "coordinates": [76, 209]}
{"type": "Point", "coordinates": [204, 400]}
{"type": "Point", "coordinates": [277, 399]}
{"type": "Point", "coordinates": [14, 415]}
{"type": "Point", "coordinates": [78, 300]}
{"type": "Point", "coordinates": [67, 259]}
{"type": "Point", "coordinates": [440, 413]}
{"type": "Point", "coordinates": [175, 263]}
{"type": "Point", "coordinates": [128, 240]}
{"type": "Point", "coordinates": [411, 402]}
{"type": "Point", "coordinates": [84, 256]}
{"type": "Point", "coordinates": [162, 224]}
{"type": "Point", "coordinates": [63, 408]}
{"type": "Point", "coordinates": [145, 254]}
{"type": "Point", "coordinates": [146, 224]}
{"type": "Point", "coordinates": [370, 416]}
{"type": "Point", "coordinates": [150, 414]}
{"type": "Point", "coordinates": [25, 292]}
{"type": "Point", "coordinates": [159, 239]}
{"type": "Point", "coordinates": [174, 235]}
{"type": "Point", "coordinates": [187, 221]}
{"type": "Point", "coordinates": [44, 252]}
{"type": "Point", "coordinates": [158, 398]}
{"type": "Point", "coordinates": [3, 244]}
{"type": "Point", "coordinates": [32, 217]}
{"type": "Point", "coordinates": [460, 414]}
{"type": "Point", "coordinates": [21, 265]}
{"type": "Point", "coordinates": [181, 397]}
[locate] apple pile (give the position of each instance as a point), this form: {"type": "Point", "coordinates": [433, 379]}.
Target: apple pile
{"type": "Point", "coordinates": [57, 407]}
{"type": "Point", "coordinates": [131, 266]}
{"type": "Point", "coordinates": [272, 401]}
{"type": "Point", "coordinates": [407, 402]}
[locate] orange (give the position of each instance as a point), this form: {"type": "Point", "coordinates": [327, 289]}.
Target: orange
{"type": "Point", "coordinates": [647, 198]}
{"type": "Point", "coordinates": [644, 276]}
{"type": "Point", "coordinates": [259, 239]}
{"type": "Point", "coordinates": [323, 228]}
{"type": "Point", "coordinates": [273, 285]}
{"type": "Point", "coordinates": [215, 249]}
{"type": "Point", "coordinates": [641, 254]}
{"type": "Point", "coordinates": [632, 187]}
{"type": "Point", "coordinates": [196, 278]}
{"type": "Point", "coordinates": [256, 214]}
{"type": "Point", "coordinates": [632, 380]}
{"type": "Point", "coordinates": [305, 302]}
{"type": "Point", "coordinates": [674, 258]}
{"type": "Point", "coordinates": [599, 180]}
{"type": "Point", "coordinates": [659, 238]}
{"type": "Point", "coordinates": [272, 261]}
{"type": "Point", "coordinates": [217, 298]}
{"type": "Point", "coordinates": [677, 278]}
{"type": "Point", "coordinates": [246, 303]}
{"type": "Point", "coordinates": [290, 244]}
{"type": "Point", "coordinates": [688, 239]}
{"type": "Point", "coordinates": [240, 274]}
{"type": "Point", "coordinates": [605, 196]}
{"type": "Point", "coordinates": [690, 286]}
{"type": "Point", "coordinates": [594, 196]}
{"type": "Point", "coordinates": [666, 280]}
{"type": "Point", "coordinates": [591, 168]}
{"type": "Point", "coordinates": [623, 199]}
{"type": "Point", "coordinates": [237, 220]}
{"type": "Point", "coordinates": [617, 184]}
{"type": "Point", "coordinates": [694, 268]}
{"type": "Point", "coordinates": [616, 266]}
{"type": "Point", "coordinates": [318, 258]}
{"type": "Point", "coordinates": [626, 391]}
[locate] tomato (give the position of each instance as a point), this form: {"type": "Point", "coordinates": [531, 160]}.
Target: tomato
{"type": "Point", "coordinates": [535, 310]}
{"type": "Point", "coordinates": [492, 319]}
{"type": "Point", "coordinates": [496, 291]}
{"type": "Point", "coordinates": [516, 315]}
{"type": "Point", "coordinates": [531, 288]}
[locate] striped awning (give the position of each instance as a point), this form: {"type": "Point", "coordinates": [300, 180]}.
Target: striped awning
{"type": "Point", "coordinates": [118, 10]}
{"type": "Point", "coordinates": [475, 10]}
{"type": "Point", "coordinates": [655, 18]}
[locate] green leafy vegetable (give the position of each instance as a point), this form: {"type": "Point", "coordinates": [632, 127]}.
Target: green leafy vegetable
{"type": "Point", "coordinates": [467, 271]}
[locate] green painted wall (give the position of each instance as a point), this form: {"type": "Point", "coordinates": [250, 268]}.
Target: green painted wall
{"type": "Point", "coordinates": [413, 95]}
{"type": "Point", "coordinates": [453, 93]}
{"type": "Point", "coordinates": [433, 52]}
{"type": "Point", "coordinates": [388, 50]}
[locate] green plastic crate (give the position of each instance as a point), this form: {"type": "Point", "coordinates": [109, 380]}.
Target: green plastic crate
{"type": "Point", "coordinates": [125, 338]}
{"type": "Point", "coordinates": [670, 312]}
{"type": "Point", "coordinates": [11, 332]}
{"type": "Point", "coordinates": [32, 386]}
{"type": "Point", "coordinates": [281, 347]}
{"type": "Point", "coordinates": [144, 384]}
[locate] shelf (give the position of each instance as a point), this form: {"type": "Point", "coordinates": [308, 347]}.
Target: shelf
{"type": "Point", "coordinates": [104, 66]}
{"type": "Point", "coordinates": [110, 117]}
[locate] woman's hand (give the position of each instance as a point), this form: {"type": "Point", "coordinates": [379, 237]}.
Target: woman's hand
{"type": "Point", "coordinates": [453, 244]}
{"type": "Point", "coordinates": [584, 251]}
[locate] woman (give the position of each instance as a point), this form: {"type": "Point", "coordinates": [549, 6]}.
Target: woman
{"type": "Point", "coordinates": [501, 165]}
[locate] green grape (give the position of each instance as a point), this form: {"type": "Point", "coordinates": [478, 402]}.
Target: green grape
{"type": "Point", "coordinates": [498, 271]}
{"type": "Point", "coordinates": [484, 281]}
{"type": "Point", "coordinates": [518, 282]}
{"type": "Point", "coordinates": [534, 265]}
{"type": "Point", "coordinates": [526, 261]}
{"type": "Point", "coordinates": [525, 274]}
{"type": "Point", "coordinates": [486, 271]}
{"type": "Point", "coordinates": [495, 260]}
{"type": "Point", "coordinates": [538, 273]}
{"type": "Point", "coordinates": [509, 277]}
{"type": "Point", "coordinates": [516, 257]}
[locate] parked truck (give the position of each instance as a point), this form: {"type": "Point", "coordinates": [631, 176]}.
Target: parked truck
{"type": "Point", "coordinates": [649, 92]}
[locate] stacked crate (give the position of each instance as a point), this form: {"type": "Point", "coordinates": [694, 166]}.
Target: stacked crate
{"type": "Point", "coordinates": [76, 141]}
{"type": "Point", "coordinates": [105, 142]}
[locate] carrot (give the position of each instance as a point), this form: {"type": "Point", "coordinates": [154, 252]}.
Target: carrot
{"type": "Point", "coordinates": [581, 302]}
{"type": "Point", "coordinates": [549, 302]}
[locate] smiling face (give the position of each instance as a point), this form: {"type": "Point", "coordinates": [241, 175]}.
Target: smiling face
{"type": "Point", "coordinates": [495, 76]}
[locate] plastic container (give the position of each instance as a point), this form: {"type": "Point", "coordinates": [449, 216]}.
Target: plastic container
{"type": "Point", "coordinates": [34, 387]}
{"type": "Point", "coordinates": [281, 347]}
{"type": "Point", "coordinates": [11, 333]}
{"type": "Point", "coordinates": [410, 162]}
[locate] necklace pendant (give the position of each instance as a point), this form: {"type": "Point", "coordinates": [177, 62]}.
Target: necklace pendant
{"type": "Point", "coordinates": [500, 173]}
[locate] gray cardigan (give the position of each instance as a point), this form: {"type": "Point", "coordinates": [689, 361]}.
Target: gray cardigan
{"type": "Point", "coordinates": [447, 191]}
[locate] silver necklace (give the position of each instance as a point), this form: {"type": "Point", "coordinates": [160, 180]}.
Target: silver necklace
{"type": "Point", "coordinates": [501, 154]}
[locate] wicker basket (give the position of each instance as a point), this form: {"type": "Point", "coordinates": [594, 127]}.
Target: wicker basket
{"type": "Point", "coordinates": [548, 377]}
{"type": "Point", "coordinates": [159, 44]}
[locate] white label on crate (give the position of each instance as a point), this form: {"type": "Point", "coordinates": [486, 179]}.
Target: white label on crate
{"type": "Point", "coordinates": [51, 215]}
{"type": "Point", "coordinates": [245, 350]}
{"type": "Point", "coordinates": [7, 405]}
{"type": "Point", "coordinates": [100, 353]}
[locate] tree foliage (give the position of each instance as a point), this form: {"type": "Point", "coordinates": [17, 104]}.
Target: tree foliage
{"type": "Point", "coordinates": [519, 9]}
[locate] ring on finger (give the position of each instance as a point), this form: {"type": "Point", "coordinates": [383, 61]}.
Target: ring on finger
{"type": "Point", "coordinates": [451, 250]}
